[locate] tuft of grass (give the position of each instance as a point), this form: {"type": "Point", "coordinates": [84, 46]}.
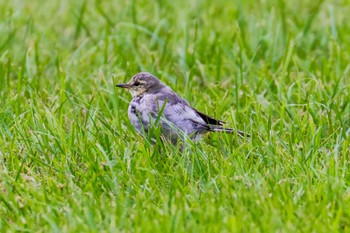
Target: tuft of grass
{"type": "Point", "coordinates": [70, 161]}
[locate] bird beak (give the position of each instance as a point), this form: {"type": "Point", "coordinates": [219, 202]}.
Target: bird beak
{"type": "Point", "coordinates": [124, 85]}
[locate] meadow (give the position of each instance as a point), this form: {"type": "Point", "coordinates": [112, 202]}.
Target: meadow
{"type": "Point", "coordinates": [70, 161]}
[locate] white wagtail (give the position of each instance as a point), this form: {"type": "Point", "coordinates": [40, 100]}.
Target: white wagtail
{"type": "Point", "coordinates": [154, 102]}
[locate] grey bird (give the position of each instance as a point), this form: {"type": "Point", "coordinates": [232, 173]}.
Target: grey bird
{"type": "Point", "coordinates": [154, 103]}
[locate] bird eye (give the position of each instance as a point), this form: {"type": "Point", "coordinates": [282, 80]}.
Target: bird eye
{"type": "Point", "coordinates": [137, 83]}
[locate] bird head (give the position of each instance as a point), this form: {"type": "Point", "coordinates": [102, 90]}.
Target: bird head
{"type": "Point", "coordinates": [142, 83]}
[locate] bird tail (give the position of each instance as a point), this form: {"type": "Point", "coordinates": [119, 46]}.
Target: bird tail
{"type": "Point", "coordinates": [229, 130]}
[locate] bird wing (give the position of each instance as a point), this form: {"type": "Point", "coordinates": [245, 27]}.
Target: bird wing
{"type": "Point", "coordinates": [185, 118]}
{"type": "Point", "coordinates": [176, 101]}
{"type": "Point", "coordinates": [209, 120]}
{"type": "Point", "coordinates": [178, 112]}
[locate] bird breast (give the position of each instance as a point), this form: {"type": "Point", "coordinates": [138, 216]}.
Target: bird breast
{"type": "Point", "coordinates": [141, 111]}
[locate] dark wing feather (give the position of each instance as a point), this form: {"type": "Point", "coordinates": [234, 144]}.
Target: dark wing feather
{"type": "Point", "coordinates": [209, 120]}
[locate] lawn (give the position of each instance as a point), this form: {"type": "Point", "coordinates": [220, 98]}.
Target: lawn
{"type": "Point", "coordinates": [70, 161]}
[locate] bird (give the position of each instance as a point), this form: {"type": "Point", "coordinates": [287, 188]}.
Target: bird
{"type": "Point", "coordinates": [155, 104]}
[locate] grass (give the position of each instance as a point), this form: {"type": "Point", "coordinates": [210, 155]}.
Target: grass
{"type": "Point", "coordinates": [71, 162]}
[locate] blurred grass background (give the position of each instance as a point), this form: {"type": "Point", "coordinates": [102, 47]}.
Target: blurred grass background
{"type": "Point", "coordinates": [71, 162]}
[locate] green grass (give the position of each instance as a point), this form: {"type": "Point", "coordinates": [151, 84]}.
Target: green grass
{"type": "Point", "coordinates": [71, 162]}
